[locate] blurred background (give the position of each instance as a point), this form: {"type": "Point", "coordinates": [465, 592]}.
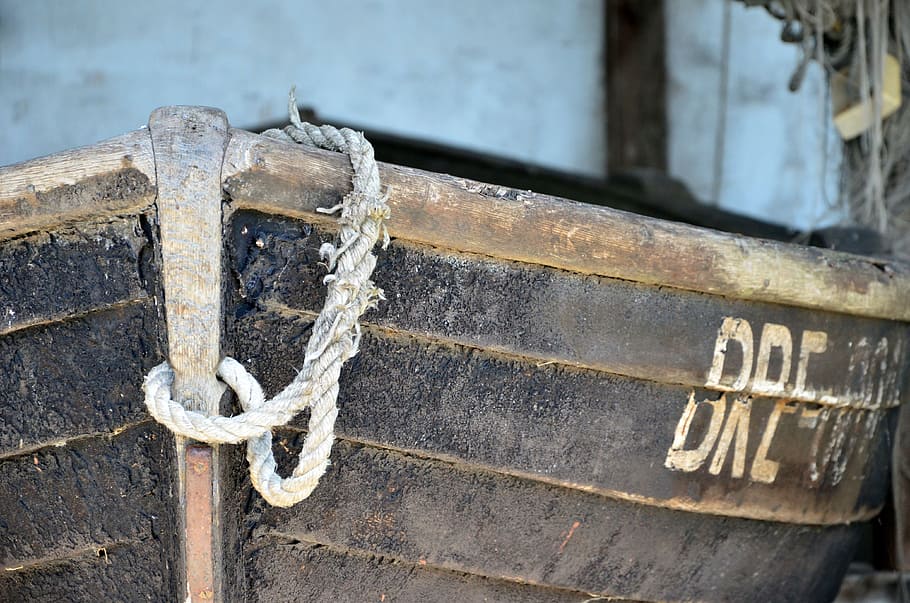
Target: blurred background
{"type": "Point", "coordinates": [529, 80]}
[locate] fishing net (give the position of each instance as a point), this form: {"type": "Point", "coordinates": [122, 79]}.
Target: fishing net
{"type": "Point", "coordinates": [854, 36]}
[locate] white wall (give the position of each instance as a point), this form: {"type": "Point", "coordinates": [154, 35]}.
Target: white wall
{"type": "Point", "coordinates": [773, 162]}
{"type": "Point", "coordinates": [516, 77]}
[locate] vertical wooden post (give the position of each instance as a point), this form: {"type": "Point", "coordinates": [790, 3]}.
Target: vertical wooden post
{"type": "Point", "coordinates": [189, 145]}
{"type": "Point", "coordinates": [636, 84]}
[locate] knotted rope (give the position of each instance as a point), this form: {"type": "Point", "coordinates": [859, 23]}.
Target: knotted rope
{"type": "Point", "coordinates": [335, 338]}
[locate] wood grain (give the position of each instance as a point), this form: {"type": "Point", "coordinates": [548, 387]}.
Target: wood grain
{"type": "Point", "coordinates": [463, 215]}
{"type": "Point", "coordinates": [189, 145]}
{"type": "Point", "coordinates": [114, 177]}
{"type": "Point", "coordinates": [636, 84]}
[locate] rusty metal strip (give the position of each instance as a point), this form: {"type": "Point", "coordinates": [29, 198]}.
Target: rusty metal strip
{"type": "Point", "coordinates": [198, 479]}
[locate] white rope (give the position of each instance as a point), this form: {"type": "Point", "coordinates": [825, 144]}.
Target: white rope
{"type": "Point", "coordinates": [335, 338]}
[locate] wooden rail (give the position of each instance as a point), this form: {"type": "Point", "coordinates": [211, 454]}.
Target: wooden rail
{"type": "Point", "coordinates": [118, 177]}
{"type": "Point", "coordinates": [464, 215]}
{"type": "Point", "coordinates": [114, 177]}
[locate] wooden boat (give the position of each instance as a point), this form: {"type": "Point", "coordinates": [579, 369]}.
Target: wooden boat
{"type": "Point", "coordinates": [556, 402]}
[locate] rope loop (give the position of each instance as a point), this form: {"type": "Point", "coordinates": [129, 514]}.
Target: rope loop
{"type": "Point", "coordinates": [335, 338]}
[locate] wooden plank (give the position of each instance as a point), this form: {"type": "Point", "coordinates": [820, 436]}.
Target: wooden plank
{"type": "Point", "coordinates": [115, 572]}
{"type": "Point", "coordinates": [636, 82]}
{"type": "Point", "coordinates": [418, 511]}
{"type": "Point", "coordinates": [589, 430]}
{"type": "Point", "coordinates": [642, 192]}
{"type": "Point", "coordinates": [189, 145]}
{"type": "Point", "coordinates": [48, 277]}
{"type": "Point", "coordinates": [90, 493]}
{"type": "Point", "coordinates": [658, 334]}
{"type": "Point", "coordinates": [459, 214]}
{"type": "Point", "coordinates": [290, 571]}
{"type": "Point", "coordinates": [83, 376]}
{"type": "Point", "coordinates": [114, 177]}
{"type": "Point", "coordinates": [823, 466]}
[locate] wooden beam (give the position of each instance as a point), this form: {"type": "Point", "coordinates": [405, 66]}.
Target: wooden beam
{"type": "Point", "coordinates": [454, 213]}
{"type": "Point", "coordinates": [644, 192]}
{"type": "Point", "coordinates": [189, 144]}
{"type": "Point", "coordinates": [636, 84]}
{"type": "Point", "coordinates": [114, 177]}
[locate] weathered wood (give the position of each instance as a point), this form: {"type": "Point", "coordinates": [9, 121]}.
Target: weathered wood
{"type": "Point", "coordinates": [114, 177]}
{"type": "Point", "coordinates": [48, 277]}
{"type": "Point", "coordinates": [419, 511]}
{"type": "Point", "coordinates": [138, 571]}
{"type": "Point", "coordinates": [288, 571]}
{"type": "Point", "coordinates": [458, 214]}
{"type": "Point", "coordinates": [584, 429]}
{"type": "Point", "coordinates": [91, 493]}
{"type": "Point", "coordinates": [234, 528]}
{"type": "Point", "coordinates": [636, 82]}
{"type": "Point", "coordinates": [659, 334]}
{"type": "Point", "coordinates": [82, 376]}
{"type": "Point", "coordinates": [91, 517]}
{"type": "Point", "coordinates": [643, 192]}
{"type": "Point", "coordinates": [189, 145]}
{"type": "Point", "coordinates": [792, 462]}
{"type": "Point", "coordinates": [486, 497]}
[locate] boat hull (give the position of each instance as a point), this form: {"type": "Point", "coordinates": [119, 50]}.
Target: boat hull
{"type": "Point", "coordinates": [529, 420]}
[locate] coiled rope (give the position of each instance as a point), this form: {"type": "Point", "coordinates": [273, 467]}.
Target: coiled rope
{"type": "Point", "coordinates": [335, 338]}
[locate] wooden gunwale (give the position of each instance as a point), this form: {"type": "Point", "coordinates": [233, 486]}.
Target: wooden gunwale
{"type": "Point", "coordinates": [464, 215]}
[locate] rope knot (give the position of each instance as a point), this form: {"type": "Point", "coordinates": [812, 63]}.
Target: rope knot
{"type": "Point", "coordinates": [335, 338]}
